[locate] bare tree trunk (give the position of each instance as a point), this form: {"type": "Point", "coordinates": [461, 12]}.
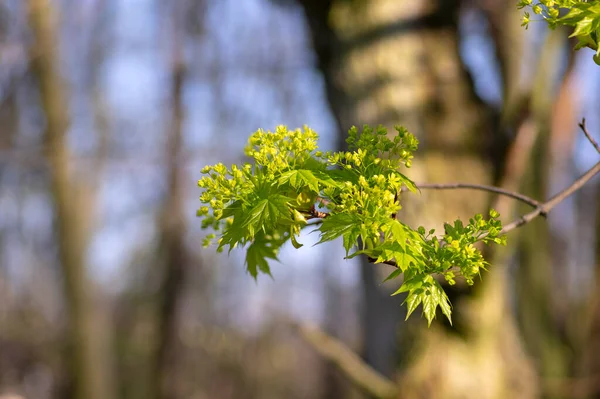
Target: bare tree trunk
{"type": "Point", "coordinates": [388, 62]}
{"type": "Point", "coordinates": [172, 249]}
{"type": "Point", "coordinates": [83, 362]}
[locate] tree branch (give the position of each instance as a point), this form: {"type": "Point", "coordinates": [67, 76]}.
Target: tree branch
{"type": "Point", "coordinates": [588, 135]}
{"type": "Point", "coordinates": [552, 202]}
{"type": "Point", "coordinates": [541, 209]}
{"type": "Point", "coordinates": [481, 187]}
{"type": "Point", "coordinates": [348, 362]}
{"type": "Point", "coordinates": [451, 186]}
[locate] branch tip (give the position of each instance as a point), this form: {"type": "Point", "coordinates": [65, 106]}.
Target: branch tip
{"type": "Point", "coordinates": [589, 136]}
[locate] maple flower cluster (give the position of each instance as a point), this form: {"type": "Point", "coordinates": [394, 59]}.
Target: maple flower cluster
{"type": "Point", "coordinates": [582, 15]}
{"type": "Point", "coordinates": [281, 150]}
{"type": "Point", "coordinates": [264, 204]}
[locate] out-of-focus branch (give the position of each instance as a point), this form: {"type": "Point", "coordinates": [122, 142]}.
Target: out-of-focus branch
{"type": "Point", "coordinates": [348, 362]}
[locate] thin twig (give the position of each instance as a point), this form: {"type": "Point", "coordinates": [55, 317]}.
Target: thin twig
{"type": "Point", "coordinates": [589, 136]}
{"type": "Point", "coordinates": [449, 186]}
{"type": "Point", "coordinates": [552, 202]}
{"type": "Point", "coordinates": [348, 362]}
{"type": "Point", "coordinates": [453, 186]}
{"type": "Point", "coordinates": [541, 209]}
{"type": "Point", "coordinates": [314, 213]}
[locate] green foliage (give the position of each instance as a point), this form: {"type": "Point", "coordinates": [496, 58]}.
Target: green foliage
{"type": "Point", "coordinates": [583, 16]}
{"type": "Point", "coordinates": [354, 195]}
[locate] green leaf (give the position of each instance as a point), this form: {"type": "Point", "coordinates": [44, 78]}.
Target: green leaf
{"type": "Point", "coordinates": [583, 27]}
{"type": "Point", "coordinates": [412, 301]}
{"type": "Point", "coordinates": [429, 305]}
{"type": "Point", "coordinates": [424, 289]}
{"type": "Point", "coordinates": [574, 15]}
{"type": "Point", "coordinates": [267, 213]}
{"type": "Point", "coordinates": [410, 185]}
{"type": "Point", "coordinates": [350, 238]}
{"type": "Point", "coordinates": [433, 297]}
{"type": "Point", "coordinates": [313, 164]}
{"type": "Point", "coordinates": [298, 217]}
{"type": "Point", "coordinates": [264, 205]}
{"type": "Point", "coordinates": [256, 257]}
{"type": "Point", "coordinates": [232, 209]}
{"type": "Point", "coordinates": [411, 284]}
{"type": "Point", "coordinates": [232, 236]}
{"type": "Point", "coordinates": [325, 179]}
{"type": "Point", "coordinates": [445, 305]}
{"type": "Point", "coordinates": [393, 275]}
{"type": "Point", "coordinates": [397, 231]}
{"type": "Point", "coordinates": [295, 243]}
{"type": "Point", "coordinates": [257, 216]}
{"type": "Point", "coordinates": [392, 251]}
{"type": "Point", "coordinates": [279, 210]}
{"type": "Point", "coordinates": [338, 224]}
{"type": "Point", "coordinates": [343, 175]}
{"type": "Point", "coordinates": [299, 178]}
{"type": "Point", "coordinates": [405, 260]}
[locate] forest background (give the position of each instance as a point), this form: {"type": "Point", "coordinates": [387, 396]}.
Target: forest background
{"type": "Point", "coordinates": [109, 109]}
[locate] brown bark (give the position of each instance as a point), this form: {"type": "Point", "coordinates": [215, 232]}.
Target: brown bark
{"type": "Point", "coordinates": [389, 62]}
{"type": "Point", "coordinates": [83, 349]}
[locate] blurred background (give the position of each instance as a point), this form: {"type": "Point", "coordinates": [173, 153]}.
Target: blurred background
{"type": "Point", "coordinates": [110, 108]}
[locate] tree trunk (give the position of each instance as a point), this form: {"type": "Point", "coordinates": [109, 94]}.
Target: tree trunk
{"type": "Point", "coordinates": [389, 62]}
{"type": "Point", "coordinates": [172, 252]}
{"type": "Point", "coordinates": [84, 351]}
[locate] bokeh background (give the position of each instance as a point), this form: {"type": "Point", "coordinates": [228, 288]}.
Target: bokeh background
{"type": "Point", "coordinates": [110, 108]}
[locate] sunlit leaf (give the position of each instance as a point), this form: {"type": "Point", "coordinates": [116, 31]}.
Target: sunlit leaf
{"type": "Point", "coordinates": [337, 225]}
{"type": "Point", "coordinates": [396, 273]}
{"type": "Point", "coordinates": [300, 178]}
{"type": "Point", "coordinates": [257, 254]}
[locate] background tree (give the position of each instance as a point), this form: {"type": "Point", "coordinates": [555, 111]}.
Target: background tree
{"type": "Point", "coordinates": [257, 63]}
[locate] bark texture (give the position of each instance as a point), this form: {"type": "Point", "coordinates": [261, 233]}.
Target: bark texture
{"type": "Point", "coordinates": [389, 62]}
